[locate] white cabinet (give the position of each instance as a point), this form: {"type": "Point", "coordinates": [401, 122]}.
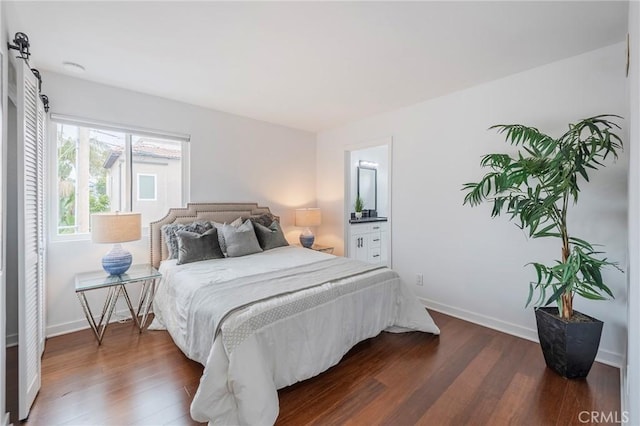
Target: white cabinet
{"type": "Point", "coordinates": [369, 242]}
{"type": "Point", "coordinates": [358, 248]}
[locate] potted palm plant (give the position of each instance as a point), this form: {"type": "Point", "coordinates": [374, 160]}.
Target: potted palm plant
{"type": "Point", "coordinates": [535, 188]}
{"type": "Point", "coordinates": [358, 206]}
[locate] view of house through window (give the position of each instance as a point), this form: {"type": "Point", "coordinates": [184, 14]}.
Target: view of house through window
{"type": "Point", "coordinates": [104, 170]}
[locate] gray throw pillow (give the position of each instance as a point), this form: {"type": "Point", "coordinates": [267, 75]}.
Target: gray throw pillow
{"type": "Point", "coordinates": [240, 241]}
{"type": "Point", "coordinates": [219, 226]}
{"type": "Point", "coordinates": [194, 247]}
{"type": "Point", "coordinates": [264, 219]}
{"type": "Point", "coordinates": [223, 244]}
{"type": "Point", "coordinates": [270, 237]}
{"type": "Point", "coordinates": [169, 232]}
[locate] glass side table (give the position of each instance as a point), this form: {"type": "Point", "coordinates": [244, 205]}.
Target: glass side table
{"type": "Point", "coordinates": [318, 247]}
{"type": "Point", "coordinates": [116, 285]}
{"type": "Point", "coordinates": [323, 249]}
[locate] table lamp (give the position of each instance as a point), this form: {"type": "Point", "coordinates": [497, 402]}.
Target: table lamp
{"type": "Point", "coordinates": [115, 228]}
{"type": "Point", "coordinates": [307, 218]}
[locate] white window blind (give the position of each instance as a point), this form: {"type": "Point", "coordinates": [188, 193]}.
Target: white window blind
{"type": "Point", "coordinates": [97, 124]}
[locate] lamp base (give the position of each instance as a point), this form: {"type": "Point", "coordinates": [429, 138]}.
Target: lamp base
{"type": "Point", "coordinates": [117, 261]}
{"type": "Point", "coordinates": [307, 238]}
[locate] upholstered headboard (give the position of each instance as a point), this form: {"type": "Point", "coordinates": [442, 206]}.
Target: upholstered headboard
{"type": "Point", "coordinates": [218, 212]}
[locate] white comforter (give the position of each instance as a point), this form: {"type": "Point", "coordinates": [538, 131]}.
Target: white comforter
{"type": "Point", "coordinates": [240, 381]}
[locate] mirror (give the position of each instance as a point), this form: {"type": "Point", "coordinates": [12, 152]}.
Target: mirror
{"type": "Point", "coordinates": [368, 187]}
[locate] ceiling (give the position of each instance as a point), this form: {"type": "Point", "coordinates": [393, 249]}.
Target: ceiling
{"type": "Point", "coordinates": [309, 65]}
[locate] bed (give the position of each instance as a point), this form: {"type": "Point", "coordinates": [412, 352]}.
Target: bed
{"type": "Point", "coordinates": [264, 321]}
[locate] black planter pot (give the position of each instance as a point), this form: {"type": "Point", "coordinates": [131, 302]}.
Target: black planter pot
{"type": "Point", "coordinates": [569, 347]}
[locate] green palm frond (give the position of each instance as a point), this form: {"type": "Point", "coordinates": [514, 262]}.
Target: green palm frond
{"type": "Point", "coordinates": [535, 187]}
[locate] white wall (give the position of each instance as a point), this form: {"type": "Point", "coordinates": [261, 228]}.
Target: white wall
{"type": "Point", "coordinates": [233, 159]}
{"type": "Point", "coordinates": [472, 264]}
{"type": "Point", "coordinates": [630, 386]}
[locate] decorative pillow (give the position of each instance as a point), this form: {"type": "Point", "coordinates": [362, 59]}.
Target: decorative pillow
{"type": "Point", "coordinates": [265, 219]}
{"type": "Point", "coordinates": [194, 247]}
{"type": "Point", "coordinates": [236, 223]}
{"type": "Point", "coordinates": [171, 239]}
{"type": "Point", "coordinates": [240, 241]}
{"type": "Point", "coordinates": [270, 237]}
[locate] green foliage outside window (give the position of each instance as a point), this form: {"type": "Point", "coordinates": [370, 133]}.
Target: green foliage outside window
{"type": "Point", "coordinates": [67, 164]}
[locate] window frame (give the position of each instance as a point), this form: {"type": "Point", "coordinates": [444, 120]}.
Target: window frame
{"type": "Point", "coordinates": [155, 186]}
{"type": "Point", "coordinates": [52, 156]}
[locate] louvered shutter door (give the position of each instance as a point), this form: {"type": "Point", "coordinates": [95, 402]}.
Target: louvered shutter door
{"type": "Point", "coordinates": [30, 164]}
{"type": "Point", "coordinates": [41, 223]}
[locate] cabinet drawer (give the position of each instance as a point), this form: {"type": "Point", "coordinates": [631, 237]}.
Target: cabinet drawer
{"type": "Point", "coordinates": [374, 255]}
{"type": "Point", "coordinates": [378, 227]}
{"type": "Point", "coordinates": [358, 229]}
{"type": "Point", "coordinates": [374, 239]}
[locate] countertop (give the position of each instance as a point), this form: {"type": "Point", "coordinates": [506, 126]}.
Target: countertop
{"type": "Point", "coordinates": [368, 220]}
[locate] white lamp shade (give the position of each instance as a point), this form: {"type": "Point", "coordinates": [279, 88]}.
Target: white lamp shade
{"type": "Point", "coordinates": [308, 217]}
{"type": "Point", "coordinates": [115, 227]}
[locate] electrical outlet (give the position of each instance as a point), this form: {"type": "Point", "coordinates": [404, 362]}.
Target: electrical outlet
{"type": "Point", "coordinates": [419, 279]}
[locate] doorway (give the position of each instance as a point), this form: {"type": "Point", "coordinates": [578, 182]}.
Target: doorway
{"type": "Point", "coordinates": [367, 175]}
{"type": "Point", "coordinates": [11, 271]}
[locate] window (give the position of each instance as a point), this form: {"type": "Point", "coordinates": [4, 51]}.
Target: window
{"type": "Point", "coordinates": [146, 187]}
{"type": "Point", "coordinates": [95, 173]}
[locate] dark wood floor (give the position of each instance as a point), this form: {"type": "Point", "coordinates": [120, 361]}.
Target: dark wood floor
{"type": "Point", "coordinates": [468, 375]}
{"type": "Point", "coordinates": [11, 382]}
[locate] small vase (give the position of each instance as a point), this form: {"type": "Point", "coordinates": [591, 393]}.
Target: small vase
{"type": "Point", "coordinates": [358, 215]}
{"type": "Point", "coordinates": [117, 261]}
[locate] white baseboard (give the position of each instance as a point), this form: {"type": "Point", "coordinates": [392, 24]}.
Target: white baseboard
{"type": "Point", "coordinates": [12, 340]}
{"type": "Point", "coordinates": [604, 356]}
{"type": "Point", "coordinates": [610, 358]}
{"type": "Point", "coordinates": [6, 419]}
{"type": "Point", "coordinates": [82, 324]}
{"type": "Point", "coordinates": [624, 392]}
